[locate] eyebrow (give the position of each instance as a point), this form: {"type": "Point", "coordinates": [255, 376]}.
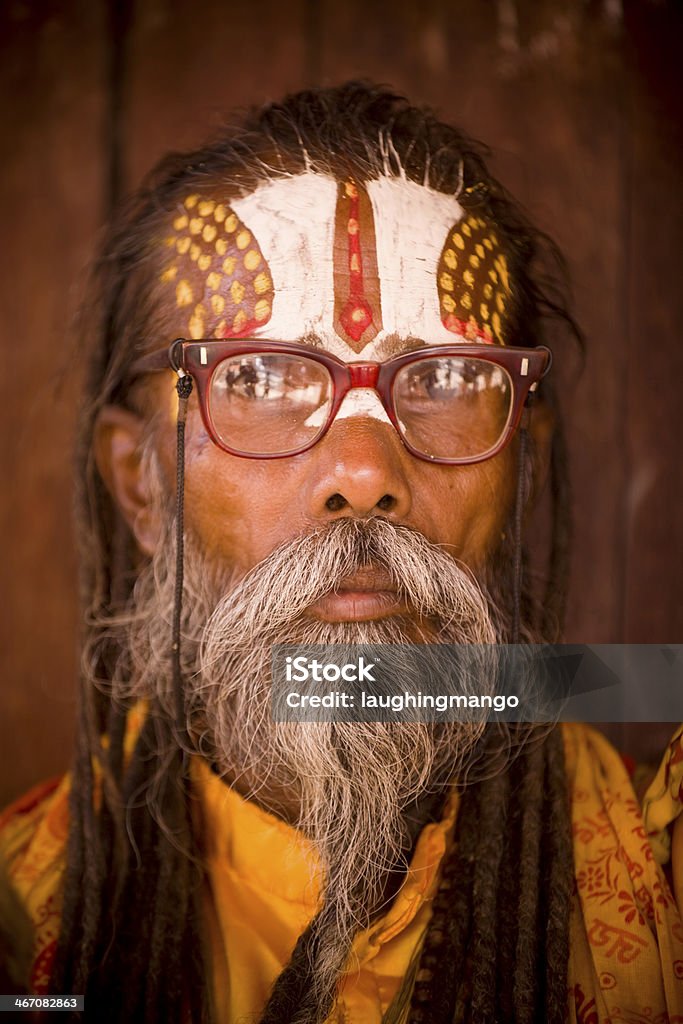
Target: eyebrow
{"type": "Point", "coordinates": [312, 339]}
{"type": "Point", "coordinates": [395, 345]}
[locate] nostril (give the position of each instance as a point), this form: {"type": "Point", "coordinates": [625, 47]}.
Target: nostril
{"type": "Point", "coordinates": [386, 503]}
{"type": "Point", "coordinates": [335, 503]}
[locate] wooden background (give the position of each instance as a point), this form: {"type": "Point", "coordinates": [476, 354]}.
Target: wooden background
{"type": "Point", "coordinates": [581, 102]}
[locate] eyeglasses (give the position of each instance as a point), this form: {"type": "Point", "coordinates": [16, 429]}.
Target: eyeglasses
{"type": "Point", "coordinates": [451, 404]}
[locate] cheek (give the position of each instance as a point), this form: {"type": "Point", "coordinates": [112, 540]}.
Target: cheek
{"type": "Point", "coordinates": [238, 509]}
{"type": "Point", "coordinates": [468, 507]}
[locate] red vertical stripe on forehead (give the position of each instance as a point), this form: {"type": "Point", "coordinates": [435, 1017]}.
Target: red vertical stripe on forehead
{"type": "Point", "coordinates": [357, 311]}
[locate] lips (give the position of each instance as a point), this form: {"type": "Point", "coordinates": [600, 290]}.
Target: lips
{"type": "Point", "coordinates": [368, 594]}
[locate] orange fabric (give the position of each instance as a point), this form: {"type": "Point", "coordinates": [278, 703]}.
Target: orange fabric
{"type": "Point", "coordinates": [626, 961]}
{"type": "Point", "coordinates": [264, 887]}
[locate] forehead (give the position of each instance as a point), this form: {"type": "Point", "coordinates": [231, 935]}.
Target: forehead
{"type": "Point", "coordinates": [356, 267]}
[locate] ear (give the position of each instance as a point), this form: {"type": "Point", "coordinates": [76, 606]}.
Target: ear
{"type": "Point", "coordinates": [541, 430]}
{"type": "Point", "coordinates": [118, 441]}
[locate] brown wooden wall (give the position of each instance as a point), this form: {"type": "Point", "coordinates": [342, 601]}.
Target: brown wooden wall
{"type": "Point", "coordinates": [581, 102]}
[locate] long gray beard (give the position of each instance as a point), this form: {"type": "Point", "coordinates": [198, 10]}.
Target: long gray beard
{"type": "Point", "coordinates": [351, 788]}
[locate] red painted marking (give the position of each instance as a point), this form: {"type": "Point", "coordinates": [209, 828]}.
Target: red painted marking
{"type": "Point", "coordinates": [245, 331]}
{"type": "Point", "coordinates": [469, 330]}
{"type": "Point", "coordinates": [356, 315]}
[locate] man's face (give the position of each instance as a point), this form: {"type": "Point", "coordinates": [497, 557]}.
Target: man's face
{"type": "Point", "coordinates": [364, 273]}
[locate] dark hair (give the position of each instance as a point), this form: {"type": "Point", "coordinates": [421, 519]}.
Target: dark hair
{"type": "Point", "coordinates": [131, 935]}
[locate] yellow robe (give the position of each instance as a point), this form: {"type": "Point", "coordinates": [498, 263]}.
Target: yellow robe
{"type": "Point", "coordinates": [626, 960]}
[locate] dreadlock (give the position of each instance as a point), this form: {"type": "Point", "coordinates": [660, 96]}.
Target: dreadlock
{"type": "Point", "coordinates": [131, 936]}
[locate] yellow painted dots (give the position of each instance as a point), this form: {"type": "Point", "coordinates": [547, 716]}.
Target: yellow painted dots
{"type": "Point", "coordinates": [494, 276]}
{"type": "Point", "coordinates": [219, 213]}
{"type": "Point", "coordinates": [206, 207]}
{"type": "Point", "coordinates": [243, 239]}
{"type": "Point", "coordinates": [495, 320]}
{"type": "Point", "coordinates": [448, 303]}
{"type": "Point", "coordinates": [180, 223]}
{"type": "Point", "coordinates": [252, 260]}
{"type": "Point", "coordinates": [196, 225]}
{"type": "Point", "coordinates": [191, 202]}
{"type": "Point", "coordinates": [488, 290]}
{"type": "Point", "coordinates": [458, 241]}
{"type": "Point", "coordinates": [450, 259]}
{"type": "Point", "coordinates": [488, 244]}
{"type": "Point", "coordinates": [237, 292]}
{"type": "Point", "coordinates": [170, 241]}
{"type": "Point", "coordinates": [466, 230]}
{"type": "Point", "coordinates": [194, 251]}
{"type": "Point", "coordinates": [221, 246]}
{"type": "Point", "coordinates": [239, 320]}
{"type": "Point", "coordinates": [446, 282]}
{"type": "Point", "coordinates": [230, 223]}
{"type": "Point", "coordinates": [183, 244]}
{"type": "Point", "coordinates": [183, 293]}
{"type": "Point", "coordinates": [214, 281]}
{"type": "Point", "coordinates": [500, 263]}
{"type": "Point", "coordinates": [473, 261]}
{"type": "Point", "coordinates": [468, 278]}
{"type": "Point", "coordinates": [204, 261]}
{"type": "Point", "coordinates": [500, 302]}
{"type": "Point", "coordinates": [487, 332]}
{"type": "Point", "coordinates": [209, 232]}
{"type": "Point", "coordinates": [466, 300]}
{"type": "Point", "coordinates": [220, 329]}
{"type": "Point", "coordinates": [479, 249]}
{"type": "Point", "coordinates": [169, 274]}
{"type": "Point", "coordinates": [262, 310]}
{"type": "Point", "coordinates": [196, 323]}
{"type": "Point", "coordinates": [484, 311]}
{"type": "Point", "coordinates": [261, 284]}
{"type": "Point", "coordinates": [229, 264]}
{"type": "Point", "coordinates": [217, 304]}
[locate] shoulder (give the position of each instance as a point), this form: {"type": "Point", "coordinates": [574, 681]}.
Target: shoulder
{"type": "Point", "coordinates": [33, 839]}
{"type": "Point", "coordinates": [600, 779]}
{"type": "Point", "coordinates": [34, 827]}
{"type": "Point", "coordinates": [626, 929]}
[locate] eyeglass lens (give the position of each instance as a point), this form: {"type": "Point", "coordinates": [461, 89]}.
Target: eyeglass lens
{"type": "Point", "coordinates": [274, 403]}
{"type": "Point", "coordinates": [269, 403]}
{"type": "Point", "coordinates": [452, 408]}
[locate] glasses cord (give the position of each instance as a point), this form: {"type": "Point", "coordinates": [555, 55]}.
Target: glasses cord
{"type": "Point", "coordinates": [184, 390]}
{"type": "Point", "coordinates": [519, 517]}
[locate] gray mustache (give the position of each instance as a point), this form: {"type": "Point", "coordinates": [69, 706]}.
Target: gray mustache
{"type": "Point", "coordinates": [298, 573]}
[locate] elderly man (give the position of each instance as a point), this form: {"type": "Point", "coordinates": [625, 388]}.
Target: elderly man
{"type": "Point", "coordinates": [340, 447]}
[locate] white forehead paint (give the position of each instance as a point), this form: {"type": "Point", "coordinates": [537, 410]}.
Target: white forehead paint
{"type": "Point", "coordinates": [293, 221]}
{"type": "Point", "coordinates": [358, 402]}
{"type": "Point", "coordinates": [412, 223]}
{"type": "Point", "coordinates": [363, 402]}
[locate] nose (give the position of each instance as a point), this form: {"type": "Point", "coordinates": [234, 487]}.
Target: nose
{"type": "Point", "coordinates": [359, 470]}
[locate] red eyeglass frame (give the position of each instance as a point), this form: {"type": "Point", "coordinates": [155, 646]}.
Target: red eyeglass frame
{"type": "Point", "coordinates": [526, 367]}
